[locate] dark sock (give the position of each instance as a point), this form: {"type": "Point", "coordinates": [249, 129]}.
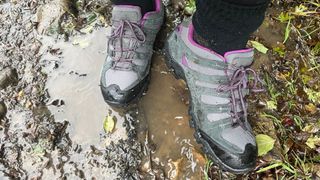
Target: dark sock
{"type": "Point", "coordinates": [225, 25]}
{"type": "Point", "coordinates": [145, 5]}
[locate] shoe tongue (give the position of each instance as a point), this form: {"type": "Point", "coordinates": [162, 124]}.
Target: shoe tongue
{"type": "Point", "coordinates": [126, 12]}
{"type": "Point", "coordinates": [240, 58]}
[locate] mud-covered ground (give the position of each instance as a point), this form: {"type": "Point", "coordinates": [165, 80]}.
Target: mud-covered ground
{"type": "Point", "coordinates": [52, 113]}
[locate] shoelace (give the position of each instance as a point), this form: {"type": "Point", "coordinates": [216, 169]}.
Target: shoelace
{"type": "Point", "coordinates": [238, 82]}
{"type": "Point", "coordinates": [119, 33]}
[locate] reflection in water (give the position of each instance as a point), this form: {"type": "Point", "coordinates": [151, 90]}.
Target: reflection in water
{"type": "Point", "coordinates": [76, 83]}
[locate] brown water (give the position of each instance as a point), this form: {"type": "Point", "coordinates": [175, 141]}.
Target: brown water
{"type": "Point", "coordinates": [162, 112]}
{"type": "Point", "coordinates": [166, 114]}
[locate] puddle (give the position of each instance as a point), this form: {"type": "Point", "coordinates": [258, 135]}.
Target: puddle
{"type": "Point", "coordinates": [73, 85]}
{"type": "Point", "coordinates": [166, 116]}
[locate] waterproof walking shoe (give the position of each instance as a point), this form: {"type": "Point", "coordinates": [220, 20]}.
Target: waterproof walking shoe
{"type": "Point", "coordinates": [125, 73]}
{"type": "Point", "coordinates": [218, 86]}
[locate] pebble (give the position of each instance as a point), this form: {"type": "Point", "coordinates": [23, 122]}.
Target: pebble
{"type": "Point", "coordinates": [3, 110]}
{"type": "Point", "coordinates": [8, 77]}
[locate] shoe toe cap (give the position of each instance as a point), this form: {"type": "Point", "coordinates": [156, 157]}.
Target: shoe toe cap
{"type": "Point", "coordinates": [113, 93]}
{"type": "Point", "coordinates": [235, 162]}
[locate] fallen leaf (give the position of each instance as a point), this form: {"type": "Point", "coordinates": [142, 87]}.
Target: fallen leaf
{"type": "Point", "coordinates": [108, 124]}
{"type": "Point", "coordinates": [312, 142]}
{"type": "Point", "coordinates": [265, 144]}
{"type": "Point", "coordinates": [313, 96]}
{"type": "Point", "coordinates": [272, 105]}
{"type": "Point", "coordinates": [311, 128]}
{"type": "Point", "coordinates": [288, 145]}
{"type": "Point", "coordinates": [311, 108]}
{"type": "Point", "coordinates": [258, 46]}
{"type": "Point", "coordinates": [316, 169]}
{"type": "Point", "coordinates": [21, 94]}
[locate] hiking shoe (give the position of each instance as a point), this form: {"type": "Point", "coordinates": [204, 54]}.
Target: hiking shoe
{"type": "Point", "coordinates": [218, 109]}
{"type": "Point", "coordinates": [125, 73]}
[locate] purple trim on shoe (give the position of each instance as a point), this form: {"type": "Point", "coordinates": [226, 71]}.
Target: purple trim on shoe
{"type": "Point", "coordinates": [194, 43]}
{"type": "Point", "coordinates": [224, 58]}
{"type": "Point", "coordinates": [238, 51]}
{"type": "Point", "coordinates": [184, 60]}
{"type": "Point", "coordinates": [146, 16]}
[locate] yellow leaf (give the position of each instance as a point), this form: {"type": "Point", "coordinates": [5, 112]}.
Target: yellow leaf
{"type": "Point", "coordinates": [313, 96]}
{"type": "Point", "coordinates": [21, 94]}
{"type": "Point", "coordinates": [271, 105]}
{"type": "Point", "coordinates": [265, 144]}
{"type": "Point", "coordinates": [311, 108]}
{"type": "Point", "coordinates": [108, 124]}
{"type": "Point", "coordinates": [260, 47]}
{"type": "Point", "coordinates": [311, 128]}
{"type": "Point", "coordinates": [312, 142]}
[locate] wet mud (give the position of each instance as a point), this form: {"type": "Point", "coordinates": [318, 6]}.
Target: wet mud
{"type": "Point", "coordinates": [161, 115]}
{"type": "Point", "coordinates": [52, 112]}
{"type": "Point", "coordinates": [164, 112]}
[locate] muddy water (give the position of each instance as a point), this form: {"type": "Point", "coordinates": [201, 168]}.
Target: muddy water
{"type": "Point", "coordinates": [73, 86]}
{"type": "Point", "coordinates": [165, 111]}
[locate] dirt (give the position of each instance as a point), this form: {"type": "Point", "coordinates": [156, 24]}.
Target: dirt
{"type": "Point", "coordinates": [52, 111]}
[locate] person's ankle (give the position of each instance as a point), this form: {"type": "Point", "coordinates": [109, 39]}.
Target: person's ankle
{"type": "Point", "coordinates": [221, 45]}
{"type": "Point", "coordinates": [207, 43]}
{"type": "Point", "coordinates": [145, 7]}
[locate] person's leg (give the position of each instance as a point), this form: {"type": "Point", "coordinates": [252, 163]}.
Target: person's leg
{"type": "Point", "coordinates": [225, 25]}
{"type": "Point", "coordinates": [145, 5]}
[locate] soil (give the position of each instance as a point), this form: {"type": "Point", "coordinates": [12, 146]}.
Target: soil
{"type": "Point", "coordinates": [52, 112]}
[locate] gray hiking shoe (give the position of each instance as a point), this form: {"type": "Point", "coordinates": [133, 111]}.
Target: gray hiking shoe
{"type": "Point", "coordinates": [125, 74]}
{"type": "Point", "coordinates": [218, 109]}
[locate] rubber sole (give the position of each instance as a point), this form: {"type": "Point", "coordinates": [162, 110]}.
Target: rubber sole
{"type": "Point", "coordinates": [179, 74]}
{"type": "Point", "coordinates": [134, 98]}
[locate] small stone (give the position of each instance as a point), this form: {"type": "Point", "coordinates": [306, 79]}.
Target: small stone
{"type": "Point", "coordinates": [8, 77]}
{"type": "Point", "coordinates": [3, 110]}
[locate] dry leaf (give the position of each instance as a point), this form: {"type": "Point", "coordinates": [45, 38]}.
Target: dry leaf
{"type": "Point", "coordinates": [108, 124]}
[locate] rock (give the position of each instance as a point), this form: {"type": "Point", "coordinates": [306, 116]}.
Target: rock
{"type": "Point", "coordinates": [8, 77]}
{"type": "Point", "coordinates": [3, 110]}
{"type": "Point", "coordinates": [48, 17]}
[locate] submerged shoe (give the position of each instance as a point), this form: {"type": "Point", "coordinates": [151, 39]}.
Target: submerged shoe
{"type": "Point", "coordinates": [218, 109]}
{"type": "Point", "coordinates": [125, 74]}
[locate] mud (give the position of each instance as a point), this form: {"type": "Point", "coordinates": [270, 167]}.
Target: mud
{"type": "Point", "coordinates": [53, 127]}
{"type": "Point", "coordinates": [52, 111]}
{"type": "Point", "coordinates": [78, 100]}
{"type": "Point", "coordinates": [164, 112]}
